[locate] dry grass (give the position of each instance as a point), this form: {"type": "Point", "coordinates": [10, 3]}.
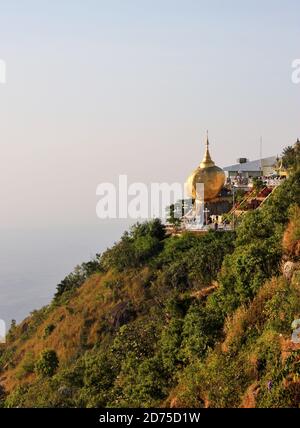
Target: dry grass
{"type": "Point", "coordinates": [249, 399]}
{"type": "Point", "coordinates": [291, 237]}
{"type": "Point", "coordinates": [85, 315]}
{"type": "Point", "coordinates": [253, 315]}
{"type": "Point", "coordinates": [205, 292]}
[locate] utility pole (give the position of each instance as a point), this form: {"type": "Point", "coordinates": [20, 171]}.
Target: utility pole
{"type": "Point", "coordinates": [260, 154]}
{"type": "Point", "coordinates": [233, 204]}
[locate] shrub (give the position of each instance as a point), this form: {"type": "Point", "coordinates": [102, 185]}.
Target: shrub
{"type": "Point", "coordinates": [169, 345]}
{"type": "Point", "coordinates": [98, 378]}
{"type": "Point", "coordinates": [135, 247]}
{"type": "Point", "coordinates": [2, 396]}
{"type": "Point", "coordinates": [139, 337]}
{"type": "Point", "coordinates": [141, 384]}
{"type": "Point", "coordinates": [193, 261]}
{"type": "Point", "coordinates": [200, 330]}
{"type": "Point", "coordinates": [291, 237]}
{"type": "Point", "coordinates": [28, 365]}
{"type": "Point", "coordinates": [291, 157]}
{"type": "Point", "coordinates": [47, 364]}
{"type": "Point", "coordinates": [17, 397]}
{"type": "Point", "coordinates": [48, 330]}
{"type": "Point", "coordinates": [76, 278]}
{"type": "Point", "coordinates": [223, 380]}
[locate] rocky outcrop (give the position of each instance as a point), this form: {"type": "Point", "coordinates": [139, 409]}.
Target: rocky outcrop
{"type": "Point", "coordinates": [288, 269]}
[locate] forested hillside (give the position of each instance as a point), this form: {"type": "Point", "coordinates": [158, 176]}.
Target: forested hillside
{"type": "Point", "coordinates": [189, 321]}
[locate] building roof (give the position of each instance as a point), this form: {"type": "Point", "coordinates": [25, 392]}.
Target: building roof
{"type": "Point", "coordinates": [252, 166]}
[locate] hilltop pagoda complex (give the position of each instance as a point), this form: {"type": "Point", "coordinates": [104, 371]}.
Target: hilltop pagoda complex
{"type": "Point", "coordinates": [216, 197]}
{"type": "Point", "coordinates": [205, 186]}
{"type": "Point", "coordinates": [208, 174]}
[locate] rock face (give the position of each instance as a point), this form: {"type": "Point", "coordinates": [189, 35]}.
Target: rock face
{"type": "Point", "coordinates": [288, 269]}
{"type": "Point", "coordinates": [122, 314]}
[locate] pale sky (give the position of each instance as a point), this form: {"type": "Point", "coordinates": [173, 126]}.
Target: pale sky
{"type": "Point", "coordinates": [101, 88]}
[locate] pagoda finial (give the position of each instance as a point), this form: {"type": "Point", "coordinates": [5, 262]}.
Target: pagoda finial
{"type": "Point", "coordinates": [207, 160]}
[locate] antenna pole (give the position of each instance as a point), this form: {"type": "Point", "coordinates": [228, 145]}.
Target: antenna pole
{"type": "Point", "coordinates": [260, 153]}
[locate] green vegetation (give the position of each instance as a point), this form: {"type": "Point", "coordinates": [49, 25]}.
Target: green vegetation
{"type": "Point", "coordinates": [75, 279]}
{"type": "Point", "coordinates": [47, 363]}
{"type": "Point", "coordinates": [291, 157]}
{"type": "Point", "coordinates": [187, 321]}
{"type": "Point", "coordinates": [258, 184]}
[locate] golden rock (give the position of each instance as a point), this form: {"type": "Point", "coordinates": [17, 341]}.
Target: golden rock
{"type": "Point", "coordinates": [207, 173]}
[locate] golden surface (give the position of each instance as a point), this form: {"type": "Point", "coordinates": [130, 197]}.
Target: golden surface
{"type": "Point", "coordinates": [209, 174]}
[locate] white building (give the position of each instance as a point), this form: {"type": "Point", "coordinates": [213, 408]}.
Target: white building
{"type": "Point", "coordinates": [256, 168]}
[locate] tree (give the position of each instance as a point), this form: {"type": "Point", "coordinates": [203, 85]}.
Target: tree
{"type": "Point", "coordinates": [47, 364]}
{"type": "Point", "coordinates": [201, 328]}
{"type": "Point", "coordinates": [135, 247]}
{"type": "Point", "coordinates": [173, 216]}
{"type": "Point", "coordinates": [76, 278]}
{"type": "Point", "coordinates": [99, 376]}
{"type": "Point", "coordinates": [291, 157]}
{"type": "Point", "coordinates": [258, 184]}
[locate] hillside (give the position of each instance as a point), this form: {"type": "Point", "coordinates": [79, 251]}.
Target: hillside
{"type": "Point", "coordinates": [189, 321]}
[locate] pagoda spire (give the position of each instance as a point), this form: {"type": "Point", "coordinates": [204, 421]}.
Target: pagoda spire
{"type": "Point", "coordinates": [207, 161]}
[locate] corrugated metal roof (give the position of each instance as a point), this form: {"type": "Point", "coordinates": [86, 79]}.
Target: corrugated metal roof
{"type": "Point", "coordinates": [252, 165]}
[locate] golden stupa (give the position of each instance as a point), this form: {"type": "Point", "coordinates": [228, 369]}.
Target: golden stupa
{"type": "Point", "coordinates": [209, 174]}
